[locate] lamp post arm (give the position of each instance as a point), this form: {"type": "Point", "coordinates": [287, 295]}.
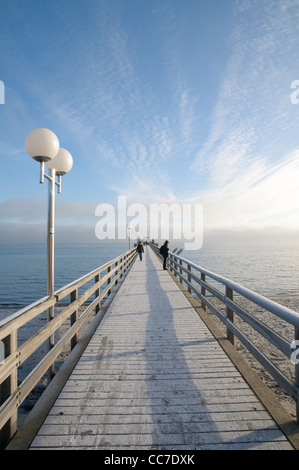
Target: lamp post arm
{"type": "Point", "coordinates": [58, 183]}
{"type": "Point", "coordinates": [49, 177]}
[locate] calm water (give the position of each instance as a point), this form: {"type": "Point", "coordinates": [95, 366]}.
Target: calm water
{"type": "Point", "coordinates": [268, 268]}
{"type": "Point", "coordinates": [23, 268]}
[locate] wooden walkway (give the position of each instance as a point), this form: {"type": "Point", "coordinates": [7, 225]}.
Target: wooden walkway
{"type": "Point", "coordinates": [154, 377]}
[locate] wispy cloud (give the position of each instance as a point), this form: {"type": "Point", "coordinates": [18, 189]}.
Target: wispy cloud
{"type": "Point", "coordinates": [249, 157]}
{"type": "Point", "coordinates": [252, 111]}
{"type": "Point", "coordinates": [118, 88]}
{"type": "Point", "coordinates": [263, 196]}
{"type": "Point", "coordinates": [127, 133]}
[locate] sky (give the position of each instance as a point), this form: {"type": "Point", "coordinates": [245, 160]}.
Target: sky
{"type": "Point", "coordinates": [162, 102]}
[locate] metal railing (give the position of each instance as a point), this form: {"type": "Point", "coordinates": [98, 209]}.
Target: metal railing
{"type": "Point", "coordinates": [86, 294]}
{"type": "Point", "coordinates": [208, 286]}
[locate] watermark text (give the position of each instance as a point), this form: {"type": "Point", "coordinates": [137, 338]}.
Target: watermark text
{"type": "Point", "coordinates": [174, 221]}
{"type": "Point", "coordinates": [294, 97]}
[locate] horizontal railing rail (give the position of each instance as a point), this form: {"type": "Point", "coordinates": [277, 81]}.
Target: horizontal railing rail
{"type": "Point", "coordinates": [207, 286]}
{"type": "Point", "coordinates": [96, 286]}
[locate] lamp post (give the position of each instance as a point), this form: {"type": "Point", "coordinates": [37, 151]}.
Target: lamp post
{"type": "Point", "coordinates": [129, 229]}
{"type": "Point", "coordinates": [43, 146]}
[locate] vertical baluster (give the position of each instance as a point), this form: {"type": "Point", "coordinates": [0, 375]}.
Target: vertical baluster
{"type": "Point", "coordinates": [97, 292]}
{"type": "Point", "coordinates": [51, 343]}
{"type": "Point", "coordinates": [116, 272]}
{"type": "Point", "coordinates": [203, 291]}
{"type": "Point", "coordinates": [74, 318]}
{"type": "Point", "coordinates": [125, 262]}
{"type": "Point", "coordinates": [189, 278]}
{"type": "Point", "coordinates": [181, 272]}
{"type": "Point", "coordinates": [109, 279]}
{"type": "Point", "coordinates": [121, 267]}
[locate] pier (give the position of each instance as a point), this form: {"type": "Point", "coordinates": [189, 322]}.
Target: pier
{"type": "Point", "coordinates": [155, 373]}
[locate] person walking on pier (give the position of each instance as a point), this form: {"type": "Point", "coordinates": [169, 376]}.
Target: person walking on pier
{"type": "Point", "coordinates": [140, 250]}
{"type": "Point", "coordinates": [164, 252]}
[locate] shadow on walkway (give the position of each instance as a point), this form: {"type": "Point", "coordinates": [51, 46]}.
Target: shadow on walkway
{"type": "Point", "coordinates": [180, 411]}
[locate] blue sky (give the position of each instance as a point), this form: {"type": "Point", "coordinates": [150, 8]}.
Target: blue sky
{"type": "Point", "coordinates": [159, 101]}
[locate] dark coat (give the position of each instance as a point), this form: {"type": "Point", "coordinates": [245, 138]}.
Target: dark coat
{"type": "Point", "coordinates": [164, 251]}
{"type": "Point", "coordinates": [140, 248]}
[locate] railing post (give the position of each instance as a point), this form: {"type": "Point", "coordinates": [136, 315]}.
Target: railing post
{"type": "Point", "coordinates": [189, 278]}
{"type": "Point", "coordinates": [97, 292]}
{"type": "Point", "coordinates": [7, 388]}
{"type": "Point", "coordinates": [51, 343]}
{"type": "Point", "coordinates": [116, 272]}
{"type": "Point", "coordinates": [126, 262]}
{"type": "Point", "coordinates": [50, 263]}
{"type": "Point", "coordinates": [203, 291]}
{"type": "Point", "coordinates": [74, 318]}
{"type": "Point", "coordinates": [230, 315]}
{"type": "Point", "coordinates": [181, 272]}
{"type": "Point", "coordinates": [297, 376]}
{"type": "Point", "coordinates": [109, 279]}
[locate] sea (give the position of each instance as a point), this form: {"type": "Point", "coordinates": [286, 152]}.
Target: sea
{"type": "Point", "coordinates": [267, 267]}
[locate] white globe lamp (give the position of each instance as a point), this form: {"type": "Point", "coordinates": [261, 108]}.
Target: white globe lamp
{"type": "Point", "coordinates": [42, 144]}
{"type": "Point", "coordinates": [61, 163]}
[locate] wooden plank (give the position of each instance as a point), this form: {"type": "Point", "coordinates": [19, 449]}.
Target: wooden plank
{"type": "Point", "coordinates": [254, 419]}
{"type": "Point", "coordinates": [136, 441]}
{"type": "Point", "coordinates": [98, 429]}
